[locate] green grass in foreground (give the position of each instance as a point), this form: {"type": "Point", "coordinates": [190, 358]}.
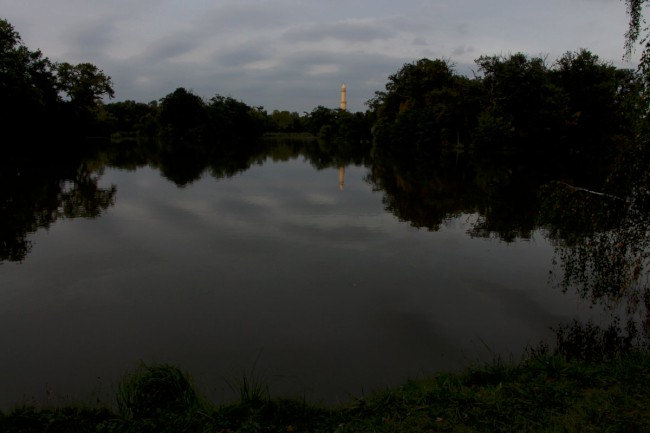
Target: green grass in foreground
{"type": "Point", "coordinates": [546, 393]}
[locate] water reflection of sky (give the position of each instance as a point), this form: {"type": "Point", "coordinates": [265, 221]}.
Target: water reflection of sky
{"type": "Point", "coordinates": [320, 289]}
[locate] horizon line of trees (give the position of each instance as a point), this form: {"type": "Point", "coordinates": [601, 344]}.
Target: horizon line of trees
{"type": "Point", "coordinates": [579, 105]}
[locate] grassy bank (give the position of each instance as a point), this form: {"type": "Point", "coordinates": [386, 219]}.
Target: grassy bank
{"type": "Point", "coordinates": [546, 393]}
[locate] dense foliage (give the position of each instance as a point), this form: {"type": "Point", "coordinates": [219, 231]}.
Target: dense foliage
{"type": "Point", "coordinates": [580, 105]}
{"type": "Point", "coordinates": [57, 98]}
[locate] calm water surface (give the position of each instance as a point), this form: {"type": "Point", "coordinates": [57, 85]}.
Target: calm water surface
{"type": "Point", "coordinates": [277, 273]}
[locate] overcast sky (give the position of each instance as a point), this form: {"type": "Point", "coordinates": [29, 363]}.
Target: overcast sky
{"type": "Point", "coordinates": [294, 54]}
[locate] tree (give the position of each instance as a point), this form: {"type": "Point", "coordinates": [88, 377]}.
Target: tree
{"type": "Point", "coordinates": [284, 121]}
{"type": "Point", "coordinates": [182, 113]}
{"type": "Point", "coordinates": [520, 100]}
{"type": "Point", "coordinates": [320, 119]}
{"type": "Point", "coordinates": [35, 91]}
{"type": "Point", "coordinates": [131, 117]}
{"type": "Point", "coordinates": [27, 82]}
{"type": "Point", "coordinates": [84, 84]}
{"type": "Point", "coordinates": [602, 101]}
{"type": "Point", "coordinates": [415, 86]}
{"type": "Point", "coordinates": [425, 106]}
{"type": "Point", "coordinates": [232, 120]}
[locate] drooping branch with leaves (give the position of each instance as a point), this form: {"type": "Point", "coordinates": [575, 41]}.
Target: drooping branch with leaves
{"type": "Point", "coordinates": [638, 33]}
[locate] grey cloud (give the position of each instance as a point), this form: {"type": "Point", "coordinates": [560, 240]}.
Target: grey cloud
{"type": "Point", "coordinates": [290, 78]}
{"type": "Point", "coordinates": [171, 46]}
{"type": "Point", "coordinates": [287, 85]}
{"type": "Point", "coordinates": [353, 60]}
{"type": "Point", "coordinates": [242, 55]}
{"type": "Point", "coordinates": [89, 38]}
{"type": "Point", "coordinates": [462, 29]}
{"type": "Point", "coordinates": [419, 41]}
{"type": "Point", "coordinates": [410, 24]}
{"type": "Point", "coordinates": [245, 16]}
{"type": "Point", "coordinates": [143, 80]}
{"type": "Point", "coordinates": [360, 71]}
{"type": "Point", "coordinates": [221, 25]}
{"type": "Point", "coordinates": [463, 49]}
{"type": "Point", "coordinates": [346, 31]}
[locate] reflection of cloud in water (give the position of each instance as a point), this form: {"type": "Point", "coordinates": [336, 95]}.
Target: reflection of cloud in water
{"type": "Point", "coordinates": [202, 209]}
{"type": "Point", "coordinates": [331, 286]}
{"type": "Point", "coordinates": [322, 199]}
{"type": "Point", "coordinates": [261, 200]}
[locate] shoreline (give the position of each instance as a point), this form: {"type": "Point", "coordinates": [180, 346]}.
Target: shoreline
{"type": "Point", "coordinates": [545, 392]}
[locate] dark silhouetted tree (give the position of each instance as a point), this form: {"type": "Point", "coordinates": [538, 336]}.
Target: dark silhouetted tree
{"type": "Point", "coordinates": [182, 114]}
{"type": "Point", "coordinates": [28, 94]}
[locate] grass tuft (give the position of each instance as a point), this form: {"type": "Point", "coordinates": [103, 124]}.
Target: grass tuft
{"type": "Point", "coordinates": [156, 389]}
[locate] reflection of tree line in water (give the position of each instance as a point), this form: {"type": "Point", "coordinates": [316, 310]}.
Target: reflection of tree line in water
{"type": "Point", "coordinates": [37, 189]}
{"type": "Point", "coordinates": [599, 227]}
{"type": "Point", "coordinates": [524, 146]}
{"type": "Point", "coordinates": [602, 245]}
{"type": "Point", "coordinates": [36, 192]}
{"type": "Point", "coordinates": [421, 190]}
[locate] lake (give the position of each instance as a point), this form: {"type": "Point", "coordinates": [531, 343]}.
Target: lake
{"type": "Point", "coordinates": [299, 277]}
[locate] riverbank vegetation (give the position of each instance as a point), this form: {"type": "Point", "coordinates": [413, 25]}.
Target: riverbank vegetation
{"type": "Point", "coordinates": [543, 393]}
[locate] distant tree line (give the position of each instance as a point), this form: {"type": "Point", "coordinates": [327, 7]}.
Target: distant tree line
{"type": "Point", "coordinates": [185, 115]}
{"type": "Point", "coordinates": [577, 105]}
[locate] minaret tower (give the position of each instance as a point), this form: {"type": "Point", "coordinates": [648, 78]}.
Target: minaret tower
{"type": "Point", "coordinates": [344, 105]}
